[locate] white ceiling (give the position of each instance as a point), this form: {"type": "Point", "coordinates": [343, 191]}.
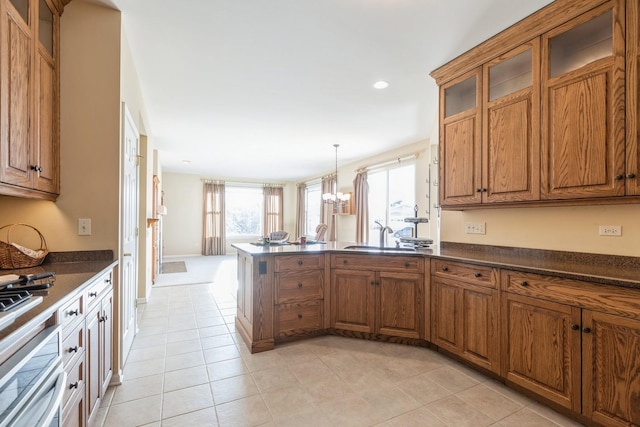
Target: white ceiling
{"type": "Point", "coordinates": [261, 90]}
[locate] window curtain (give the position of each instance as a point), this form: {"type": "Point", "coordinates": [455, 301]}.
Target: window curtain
{"type": "Point", "coordinates": [213, 241]}
{"type": "Point", "coordinates": [273, 207]}
{"type": "Point", "coordinates": [301, 211]}
{"type": "Point", "coordinates": [326, 212]}
{"type": "Point", "coordinates": [361, 202]}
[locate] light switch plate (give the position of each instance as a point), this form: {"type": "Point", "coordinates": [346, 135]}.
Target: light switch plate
{"type": "Point", "coordinates": [84, 227]}
{"type": "Point", "coordinates": [474, 227]}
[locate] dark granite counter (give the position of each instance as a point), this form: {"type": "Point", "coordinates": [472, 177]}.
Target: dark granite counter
{"type": "Point", "coordinates": [603, 269]}
{"type": "Point", "coordinates": [73, 270]}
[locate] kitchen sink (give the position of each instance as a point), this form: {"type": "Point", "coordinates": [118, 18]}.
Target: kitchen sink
{"type": "Point", "coordinates": [378, 248]}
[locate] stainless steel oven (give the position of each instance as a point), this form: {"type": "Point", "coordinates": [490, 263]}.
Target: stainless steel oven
{"type": "Point", "coordinates": [32, 382]}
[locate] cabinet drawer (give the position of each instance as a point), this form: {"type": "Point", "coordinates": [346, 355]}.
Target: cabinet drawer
{"type": "Point", "coordinates": [71, 313]}
{"type": "Point", "coordinates": [299, 262]}
{"type": "Point", "coordinates": [298, 286]}
{"type": "Point", "coordinates": [378, 262]}
{"type": "Point", "coordinates": [292, 319]}
{"type": "Point", "coordinates": [73, 345]}
{"type": "Point", "coordinates": [97, 288]}
{"type": "Point", "coordinates": [470, 273]}
{"type": "Point", "coordinates": [603, 298]}
{"type": "Point", "coordinates": [75, 381]}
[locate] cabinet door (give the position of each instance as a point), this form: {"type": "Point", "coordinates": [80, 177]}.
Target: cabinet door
{"type": "Point", "coordinates": [17, 96]}
{"type": "Point", "coordinates": [583, 120]}
{"type": "Point", "coordinates": [633, 98]}
{"type": "Point", "coordinates": [446, 327]}
{"type": "Point", "coordinates": [511, 126]}
{"type": "Point", "coordinates": [401, 306]}
{"type": "Point", "coordinates": [460, 141]}
{"type": "Point", "coordinates": [106, 340]}
{"type": "Point", "coordinates": [352, 300]}
{"type": "Point", "coordinates": [541, 348]}
{"type": "Point", "coordinates": [480, 337]}
{"type": "Point", "coordinates": [466, 322]}
{"type": "Point", "coordinates": [611, 369]}
{"type": "Point", "coordinates": [93, 349]}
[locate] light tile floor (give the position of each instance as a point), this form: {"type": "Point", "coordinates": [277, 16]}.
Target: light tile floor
{"type": "Point", "coordinates": [188, 367]}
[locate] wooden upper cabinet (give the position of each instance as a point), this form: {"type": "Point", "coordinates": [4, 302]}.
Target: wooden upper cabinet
{"type": "Point", "coordinates": [583, 106]}
{"type": "Point", "coordinates": [555, 117]}
{"type": "Point", "coordinates": [29, 98]}
{"type": "Point", "coordinates": [460, 140]}
{"type": "Point", "coordinates": [633, 99]}
{"type": "Point", "coordinates": [511, 126]}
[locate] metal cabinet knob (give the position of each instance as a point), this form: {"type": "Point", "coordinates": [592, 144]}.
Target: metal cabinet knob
{"type": "Point", "coordinates": [478, 275]}
{"type": "Point", "coordinates": [445, 268]}
{"type": "Point", "coordinates": [524, 284]}
{"type": "Point", "coordinates": [73, 385]}
{"type": "Point", "coordinates": [73, 349]}
{"type": "Point", "coordinates": [574, 327]}
{"type": "Point", "coordinates": [586, 330]}
{"type": "Point", "coordinates": [299, 316]}
{"type": "Point", "coordinates": [299, 285]}
{"type": "Point", "coordinates": [73, 312]}
{"type": "Point", "coordinates": [300, 262]}
{"type": "Point", "coordinates": [93, 294]}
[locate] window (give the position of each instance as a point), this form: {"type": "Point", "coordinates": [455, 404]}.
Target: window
{"type": "Point", "coordinates": [243, 215]}
{"type": "Point", "coordinates": [313, 201]}
{"type": "Point", "coordinates": [392, 196]}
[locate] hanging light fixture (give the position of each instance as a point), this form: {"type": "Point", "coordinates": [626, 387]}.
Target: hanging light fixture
{"type": "Point", "coordinates": [336, 199]}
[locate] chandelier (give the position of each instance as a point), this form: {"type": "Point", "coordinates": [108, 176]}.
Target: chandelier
{"type": "Point", "coordinates": [336, 199]}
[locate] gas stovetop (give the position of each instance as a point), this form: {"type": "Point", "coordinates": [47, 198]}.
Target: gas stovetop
{"type": "Point", "coordinates": [16, 296]}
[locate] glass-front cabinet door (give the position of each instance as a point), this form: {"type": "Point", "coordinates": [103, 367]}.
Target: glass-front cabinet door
{"type": "Point", "coordinates": [583, 117]}
{"type": "Point", "coordinates": [460, 140]}
{"type": "Point", "coordinates": [511, 131]}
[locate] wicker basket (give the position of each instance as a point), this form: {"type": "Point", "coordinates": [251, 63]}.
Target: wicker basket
{"type": "Point", "coordinates": [13, 255]}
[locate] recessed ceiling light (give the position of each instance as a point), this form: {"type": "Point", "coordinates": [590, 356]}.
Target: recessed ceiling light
{"type": "Point", "coordinates": [380, 84]}
{"type": "Point", "coordinates": [186, 162]}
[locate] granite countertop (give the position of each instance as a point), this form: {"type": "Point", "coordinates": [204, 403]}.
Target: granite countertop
{"type": "Point", "coordinates": [72, 271]}
{"type": "Point", "coordinates": [604, 269]}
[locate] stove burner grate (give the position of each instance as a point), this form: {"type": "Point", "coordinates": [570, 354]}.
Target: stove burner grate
{"type": "Point", "coordinates": [10, 299]}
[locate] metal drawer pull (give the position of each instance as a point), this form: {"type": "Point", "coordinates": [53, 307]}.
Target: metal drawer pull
{"type": "Point", "coordinates": [73, 312]}
{"type": "Point", "coordinates": [574, 327]}
{"type": "Point", "coordinates": [478, 275]}
{"type": "Point", "coordinates": [445, 268]}
{"type": "Point", "coordinates": [299, 316]}
{"type": "Point", "coordinates": [73, 349]}
{"type": "Point", "coordinates": [586, 330]}
{"type": "Point", "coordinates": [619, 177]}
{"type": "Point", "coordinates": [524, 284]}
{"type": "Point", "coordinates": [107, 280]}
{"type": "Point", "coordinates": [299, 285]}
{"type": "Point", "coordinates": [73, 385]}
{"type": "Point", "coordinates": [299, 262]}
{"type": "Point", "coordinates": [631, 175]}
{"type": "Point", "coordinates": [93, 294]}
{"type": "Point", "coordinates": [407, 264]}
{"type": "Point", "coordinates": [103, 318]}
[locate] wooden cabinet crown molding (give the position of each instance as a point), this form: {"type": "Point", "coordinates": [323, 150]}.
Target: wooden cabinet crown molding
{"type": "Point", "coordinates": [534, 25]}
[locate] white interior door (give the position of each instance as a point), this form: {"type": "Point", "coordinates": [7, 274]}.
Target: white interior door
{"type": "Point", "coordinates": [129, 230]}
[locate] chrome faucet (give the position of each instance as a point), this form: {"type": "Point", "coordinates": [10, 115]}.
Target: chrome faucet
{"type": "Point", "coordinates": [383, 228]}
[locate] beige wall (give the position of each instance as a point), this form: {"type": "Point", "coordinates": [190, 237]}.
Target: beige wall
{"type": "Point", "coordinates": [572, 229]}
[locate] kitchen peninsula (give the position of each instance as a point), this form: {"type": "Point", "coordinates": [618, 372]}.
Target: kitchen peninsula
{"type": "Point", "coordinates": [545, 322]}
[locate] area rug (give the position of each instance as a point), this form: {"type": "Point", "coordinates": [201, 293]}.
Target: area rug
{"type": "Point", "coordinates": [220, 269]}
{"type": "Point", "coordinates": [173, 267]}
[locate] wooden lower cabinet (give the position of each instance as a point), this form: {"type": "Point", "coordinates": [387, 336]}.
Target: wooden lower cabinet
{"type": "Point", "coordinates": [388, 303]}
{"type": "Point", "coordinates": [465, 321]}
{"type": "Point", "coordinates": [611, 369]}
{"type": "Point", "coordinates": [541, 342]}
{"type": "Point", "coordinates": [574, 343]}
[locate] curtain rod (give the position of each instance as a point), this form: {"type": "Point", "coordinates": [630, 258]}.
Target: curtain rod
{"type": "Point", "coordinates": [388, 163]}
{"type": "Point", "coordinates": [240, 184]}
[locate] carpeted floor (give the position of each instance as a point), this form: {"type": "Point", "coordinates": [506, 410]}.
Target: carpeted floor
{"type": "Point", "coordinates": [219, 269]}
{"type": "Point", "coordinates": [173, 267]}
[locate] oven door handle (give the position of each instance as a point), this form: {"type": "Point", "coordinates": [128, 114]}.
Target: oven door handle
{"type": "Point", "coordinates": [31, 416]}
{"type": "Point", "coordinates": [56, 400]}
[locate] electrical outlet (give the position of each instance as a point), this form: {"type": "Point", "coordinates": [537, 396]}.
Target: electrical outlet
{"type": "Point", "coordinates": [610, 230]}
{"type": "Point", "coordinates": [84, 227]}
{"type": "Point", "coordinates": [474, 227]}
